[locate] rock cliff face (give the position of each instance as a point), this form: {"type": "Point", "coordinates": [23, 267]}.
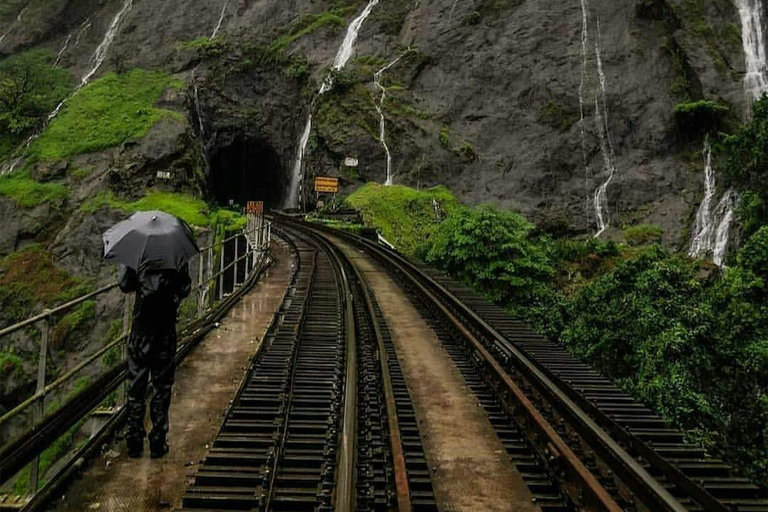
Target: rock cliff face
{"type": "Point", "coordinates": [530, 104]}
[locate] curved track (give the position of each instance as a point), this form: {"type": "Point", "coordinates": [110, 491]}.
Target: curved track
{"type": "Point", "coordinates": [309, 428]}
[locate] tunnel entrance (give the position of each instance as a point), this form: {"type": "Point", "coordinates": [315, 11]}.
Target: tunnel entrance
{"type": "Point", "coordinates": [246, 170]}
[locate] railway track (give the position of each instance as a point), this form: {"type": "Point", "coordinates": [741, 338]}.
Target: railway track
{"type": "Point", "coordinates": [309, 428]}
{"type": "Point", "coordinates": [579, 441]}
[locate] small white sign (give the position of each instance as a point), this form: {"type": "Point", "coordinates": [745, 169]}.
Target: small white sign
{"type": "Point", "coordinates": [164, 175]}
{"type": "Point", "coordinates": [350, 162]}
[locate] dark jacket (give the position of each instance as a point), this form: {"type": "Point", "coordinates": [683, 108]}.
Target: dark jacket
{"type": "Point", "coordinates": [158, 294]}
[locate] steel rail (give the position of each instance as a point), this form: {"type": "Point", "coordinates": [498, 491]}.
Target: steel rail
{"type": "Point", "coordinates": [345, 485]}
{"type": "Point", "coordinates": [396, 444]}
{"type": "Point", "coordinates": [345, 489]}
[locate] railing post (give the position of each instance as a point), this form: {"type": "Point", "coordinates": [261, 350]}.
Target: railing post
{"type": "Point", "coordinates": [200, 287]}
{"type": "Point", "coordinates": [208, 281]}
{"type": "Point", "coordinates": [221, 269]}
{"type": "Point", "coordinates": [122, 396]}
{"type": "Point", "coordinates": [234, 281]}
{"type": "Point", "coordinates": [38, 412]}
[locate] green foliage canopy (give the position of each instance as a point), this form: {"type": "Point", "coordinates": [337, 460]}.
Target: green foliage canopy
{"type": "Point", "coordinates": [30, 88]}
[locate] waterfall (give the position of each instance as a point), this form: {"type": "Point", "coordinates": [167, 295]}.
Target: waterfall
{"type": "Point", "coordinates": [756, 79]}
{"type": "Point", "coordinates": [18, 19]}
{"type": "Point", "coordinates": [63, 49]}
{"type": "Point", "coordinates": [702, 228]}
{"type": "Point", "coordinates": [342, 57]}
{"type": "Point", "coordinates": [85, 26]}
{"type": "Point", "coordinates": [453, 8]}
{"type": "Point", "coordinates": [97, 60]}
{"type": "Point", "coordinates": [724, 212]}
{"type": "Point", "coordinates": [221, 20]}
{"type": "Point", "coordinates": [582, 83]}
{"type": "Point", "coordinates": [380, 110]}
{"type": "Point", "coordinates": [606, 147]}
{"type": "Point", "coordinates": [101, 51]}
{"type": "Point", "coordinates": [755, 84]}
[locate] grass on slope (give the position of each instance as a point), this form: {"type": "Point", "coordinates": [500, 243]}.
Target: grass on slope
{"type": "Point", "coordinates": [106, 113]}
{"type": "Point", "coordinates": [406, 217]}
{"type": "Point", "coordinates": [192, 210]}
{"type": "Point", "coordinates": [29, 193]}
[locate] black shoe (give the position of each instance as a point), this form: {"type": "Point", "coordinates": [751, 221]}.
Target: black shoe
{"type": "Point", "coordinates": [157, 448]}
{"type": "Point", "coordinates": [135, 447]}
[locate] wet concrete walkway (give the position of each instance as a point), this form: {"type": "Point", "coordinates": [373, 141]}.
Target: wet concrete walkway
{"type": "Point", "coordinates": [471, 470]}
{"type": "Point", "coordinates": [205, 383]}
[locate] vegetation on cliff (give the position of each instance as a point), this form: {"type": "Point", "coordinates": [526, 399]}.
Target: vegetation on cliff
{"type": "Point", "coordinates": [688, 339]}
{"type": "Point", "coordinates": [30, 88]}
{"type": "Point", "coordinates": [106, 113]}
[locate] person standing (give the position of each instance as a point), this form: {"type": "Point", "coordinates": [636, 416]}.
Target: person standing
{"type": "Point", "coordinates": [151, 349]}
{"type": "Point", "coordinates": [153, 249]}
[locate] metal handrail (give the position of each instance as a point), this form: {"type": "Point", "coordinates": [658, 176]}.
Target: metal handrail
{"type": "Point", "coordinates": [58, 309]}
{"type": "Point", "coordinates": [76, 302]}
{"type": "Point", "coordinates": [93, 357]}
{"type": "Point", "coordinates": [61, 380]}
{"type": "Point", "coordinates": [38, 398]}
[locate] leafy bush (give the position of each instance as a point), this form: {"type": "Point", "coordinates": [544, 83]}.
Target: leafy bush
{"type": "Point", "coordinates": [29, 193]}
{"type": "Point", "coordinates": [643, 234]}
{"type": "Point", "coordinates": [29, 90]}
{"type": "Point", "coordinates": [699, 117]}
{"type": "Point", "coordinates": [405, 217]}
{"type": "Point", "coordinates": [491, 249]}
{"type": "Point", "coordinates": [695, 351]}
{"type": "Point", "coordinates": [106, 113]}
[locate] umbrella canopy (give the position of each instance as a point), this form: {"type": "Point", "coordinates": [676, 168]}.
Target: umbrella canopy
{"type": "Point", "coordinates": [154, 240]}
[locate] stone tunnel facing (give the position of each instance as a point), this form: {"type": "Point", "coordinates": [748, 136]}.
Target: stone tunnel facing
{"type": "Point", "coordinates": [247, 170]}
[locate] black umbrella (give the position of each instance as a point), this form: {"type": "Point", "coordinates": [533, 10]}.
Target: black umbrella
{"type": "Point", "coordinates": [150, 240]}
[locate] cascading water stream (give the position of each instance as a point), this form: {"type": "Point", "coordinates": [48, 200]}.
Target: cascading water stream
{"type": "Point", "coordinates": [724, 212]}
{"type": "Point", "coordinates": [582, 83]}
{"type": "Point", "coordinates": [85, 26]}
{"type": "Point", "coordinates": [221, 20]}
{"type": "Point", "coordinates": [453, 8]}
{"type": "Point", "coordinates": [380, 110]}
{"type": "Point", "coordinates": [606, 147]}
{"type": "Point", "coordinates": [753, 41]}
{"type": "Point", "coordinates": [97, 60]}
{"type": "Point", "coordinates": [18, 19]}
{"type": "Point", "coordinates": [101, 51]}
{"type": "Point", "coordinates": [702, 228]}
{"type": "Point", "coordinates": [343, 55]}
{"type": "Point", "coordinates": [63, 49]}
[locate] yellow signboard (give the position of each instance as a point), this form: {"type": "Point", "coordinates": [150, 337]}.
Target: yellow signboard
{"type": "Point", "coordinates": [326, 184]}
